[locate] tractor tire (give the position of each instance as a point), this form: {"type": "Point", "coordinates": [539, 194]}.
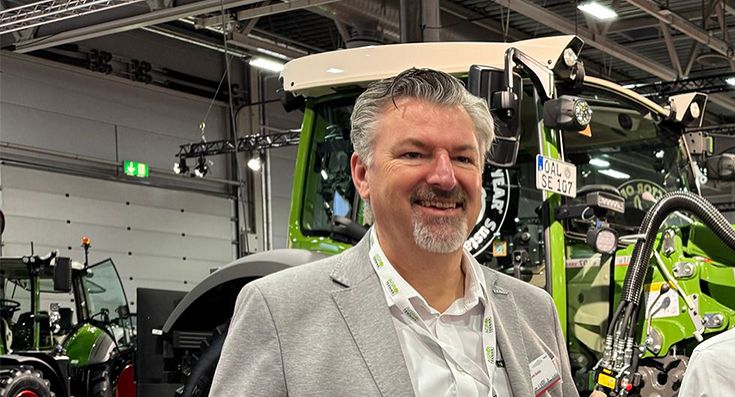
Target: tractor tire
{"type": "Point", "coordinates": [99, 382]}
{"type": "Point", "coordinates": [199, 372]}
{"type": "Point", "coordinates": [24, 381]}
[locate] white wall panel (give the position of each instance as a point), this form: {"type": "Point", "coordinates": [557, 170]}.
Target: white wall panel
{"type": "Point", "coordinates": [56, 131]}
{"type": "Point", "coordinates": [36, 85]}
{"type": "Point", "coordinates": [161, 238]}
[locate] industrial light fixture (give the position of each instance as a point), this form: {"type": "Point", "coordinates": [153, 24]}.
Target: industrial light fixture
{"type": "Point", "coordinates": [730, 80]}
{"type": "Point", "coordinates": [180, 166]}
{"type": "Point", "coordinates": [599, 162]}
{"type": "Point", "coordinates": [202, 168]}
{"type": "Point", "coordinates": [255, 163]}
{"type": "Point", "coordinates": [597, 10]}
{"type": "Point", "coordinates": [267, 64]}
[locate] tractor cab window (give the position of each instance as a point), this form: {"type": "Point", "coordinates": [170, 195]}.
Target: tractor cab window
{"type": "Point", "coordinates": [329, 190]}
{"type": "Point", "coordinates": [105, 299]}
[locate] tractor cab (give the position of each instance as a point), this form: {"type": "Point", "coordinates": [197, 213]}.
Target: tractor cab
{"type": "Point", "coordinates": [576, 164]}
{"type": "Point", "coordinates": [40, 333]}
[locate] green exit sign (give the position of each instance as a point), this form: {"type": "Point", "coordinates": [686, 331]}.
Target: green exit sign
{"type": "Point", "coordinates": [134, 168]}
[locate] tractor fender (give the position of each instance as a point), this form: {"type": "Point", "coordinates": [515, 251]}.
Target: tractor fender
{"type": "Point", "coordinates": [54, 368]}
{"type": "Point", "coordinates": [249, 267]}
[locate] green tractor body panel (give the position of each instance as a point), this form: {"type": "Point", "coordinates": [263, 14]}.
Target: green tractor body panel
{"type": "Point", "coordinates": [79, 346]}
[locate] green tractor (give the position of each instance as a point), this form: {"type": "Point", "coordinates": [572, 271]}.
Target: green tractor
{"type": "Point", "coordinates": [44, 352]}
{"type": "Point", "coordinates": [585, 181]}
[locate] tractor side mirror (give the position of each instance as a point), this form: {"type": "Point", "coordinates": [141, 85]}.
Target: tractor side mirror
{"type": "Point", "coordinates": [505, 105]}
{"type": "Point", "coordinates": [62, 274]}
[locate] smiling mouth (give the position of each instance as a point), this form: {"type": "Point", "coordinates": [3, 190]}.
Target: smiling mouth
{"type": "Point", "coordinates": [442, 205]}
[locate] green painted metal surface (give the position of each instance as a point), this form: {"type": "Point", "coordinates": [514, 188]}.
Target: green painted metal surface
{"type": "Point", "coordinates": [79, 345]}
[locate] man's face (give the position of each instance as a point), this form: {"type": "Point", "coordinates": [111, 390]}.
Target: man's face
{"type": "Point", "coordinates": [425, 181]}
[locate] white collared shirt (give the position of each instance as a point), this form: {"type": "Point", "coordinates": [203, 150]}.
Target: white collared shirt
{"type": "Point", "coordinates": [458, 328]}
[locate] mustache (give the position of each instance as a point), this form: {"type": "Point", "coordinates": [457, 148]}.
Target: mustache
{"type": "Point", "coordinates": [431, 193]}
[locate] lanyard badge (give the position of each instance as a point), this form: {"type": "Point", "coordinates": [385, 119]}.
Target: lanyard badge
{"type": "Point", "coordinates": [399, 291]}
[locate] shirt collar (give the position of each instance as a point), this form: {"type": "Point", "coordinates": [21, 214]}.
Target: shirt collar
{"type": "Point", "coordinates": [475, 289]}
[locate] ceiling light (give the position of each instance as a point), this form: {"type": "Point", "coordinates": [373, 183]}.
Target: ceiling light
{"type": "Point", "coordinates": [730, 80]}
{"type": "Point", "coordinates": [599, 163]}
{"type": "Point", "coordinates": [255, 163]}
{"type": "Point", "coordinates": [180, 166]}
{"type": "Point", "coordinates": [202, 168]}
{"type": "Point", "coordinates": [267, 64]}
{"type": "Point", "coordinates": [598, 10]}
{"type": "Point", "coordinates": [615, 174]}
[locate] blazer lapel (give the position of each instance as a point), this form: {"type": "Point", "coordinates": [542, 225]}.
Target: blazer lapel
{"type": "Point", "coordinates": [362, 304]}
{"type": "Point", "coordinates": [510, 337]}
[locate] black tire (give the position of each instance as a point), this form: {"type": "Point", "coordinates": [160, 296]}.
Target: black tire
{"type": "Point", "coordinates": [99, 382]}
{"type": "Point", "coordinates": [24, 378]}
{"type": "Point", "coordinates": [199, 372]}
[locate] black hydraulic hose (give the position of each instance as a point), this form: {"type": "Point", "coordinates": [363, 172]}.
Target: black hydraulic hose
{"type": "Point", "coordinates": [614, 319]}
{"type": "Point", "coordinates": [670, 202]}
{"type": "Point", "coordinates": [633, 319]}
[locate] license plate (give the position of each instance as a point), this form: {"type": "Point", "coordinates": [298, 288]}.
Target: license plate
{"type": "Point", "coordinates": [556, 176]}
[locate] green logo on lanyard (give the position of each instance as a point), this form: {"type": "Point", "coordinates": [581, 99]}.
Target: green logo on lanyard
{"type": "Point", "coordinates": [378, 261]}
{"type": "Point", "coordinates": [488, 326]}
{"type": "Point", "coordinates": [490, 354]}
{"type": "Point", "coordinates": [392, 287]}
{"type": "Point", "coordinates": [410, 313]}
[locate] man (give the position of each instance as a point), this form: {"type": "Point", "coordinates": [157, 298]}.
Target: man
{"type": "Point", "coordinates": [406, 311]}
{"type": "Point", "coordinates": [711, 368]}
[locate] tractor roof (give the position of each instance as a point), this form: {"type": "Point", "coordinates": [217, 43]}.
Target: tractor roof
{"type": "Point", "coordinates": [322, 74]}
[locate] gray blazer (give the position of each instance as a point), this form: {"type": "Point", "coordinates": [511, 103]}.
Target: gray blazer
{"type": "Point", "coordinates": [324, 329]}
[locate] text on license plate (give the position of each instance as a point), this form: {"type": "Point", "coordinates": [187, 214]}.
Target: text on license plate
{"type": "Point", "coordinates": [556, 176]}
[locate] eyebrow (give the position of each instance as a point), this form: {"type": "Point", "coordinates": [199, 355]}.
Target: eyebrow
{"type": "Point", "coordinates": [421, 145]}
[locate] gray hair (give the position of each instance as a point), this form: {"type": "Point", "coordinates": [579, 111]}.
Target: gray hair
{"type": "Point", "coordinates": [433, 86]}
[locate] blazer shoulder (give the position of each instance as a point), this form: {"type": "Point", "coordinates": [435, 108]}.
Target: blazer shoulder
{"type": "Point", "coordinates": [309, 274]}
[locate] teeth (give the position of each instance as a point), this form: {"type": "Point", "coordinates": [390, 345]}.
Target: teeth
{"type": "Point", "coordinates": [438, 204]}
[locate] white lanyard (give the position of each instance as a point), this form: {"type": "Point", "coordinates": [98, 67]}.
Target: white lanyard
{"type": "Point", "coordinates": [398, 289]}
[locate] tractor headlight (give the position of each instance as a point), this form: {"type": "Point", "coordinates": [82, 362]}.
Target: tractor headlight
{"type": "Point", "coordinates": [602, 238]}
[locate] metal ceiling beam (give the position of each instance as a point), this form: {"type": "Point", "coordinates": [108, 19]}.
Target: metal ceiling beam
{"type": "Point", "coordinates": [724, 30]}
{"type": "Point", "coordinates": [263, 11]}
{"type": "Point", "coordinates": [130, 23]}
{"type": "Point", "coordinates": [670, 48]}
{"type": "Point", "coordinates": [482, 21]}
{"type": "Point", "coordinates": [560, 24]}
{"type": "Point", "coordinates": [683, 25]}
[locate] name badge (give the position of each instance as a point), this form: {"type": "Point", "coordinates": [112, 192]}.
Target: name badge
{"type": "Point", "coordinates": [543, 374]}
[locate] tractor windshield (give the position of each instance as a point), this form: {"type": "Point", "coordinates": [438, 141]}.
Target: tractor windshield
{"type": "Point", "coordinates": [105, 300]}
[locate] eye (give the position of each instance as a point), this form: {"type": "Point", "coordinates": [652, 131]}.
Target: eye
{"type": "Point", "coordinates": [465, 160]}
{"type": "Point", "coordinates": [411, 155]}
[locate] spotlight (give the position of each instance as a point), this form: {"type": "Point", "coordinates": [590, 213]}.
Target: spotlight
{"type": "Point", "coordinates": [180, 167]}
{"type": "Point", "coordinates": [202, 168]}
{"type": "Point", "coordinates": [255, 162]}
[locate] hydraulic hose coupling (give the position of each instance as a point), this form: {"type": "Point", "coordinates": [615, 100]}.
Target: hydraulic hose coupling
{"type": "Point", "coordinates": [628, 357]}
{"type": "Point", "coordinates": [669, 203]}
{"type": "Point", "coordinates": [607, 355]}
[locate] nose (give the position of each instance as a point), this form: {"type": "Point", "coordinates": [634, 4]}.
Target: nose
{"type": "Point", "coordinates": [442, 173]}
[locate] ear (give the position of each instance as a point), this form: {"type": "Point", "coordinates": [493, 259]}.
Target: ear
{"type": "Point", "coordinates": [359, 176]}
